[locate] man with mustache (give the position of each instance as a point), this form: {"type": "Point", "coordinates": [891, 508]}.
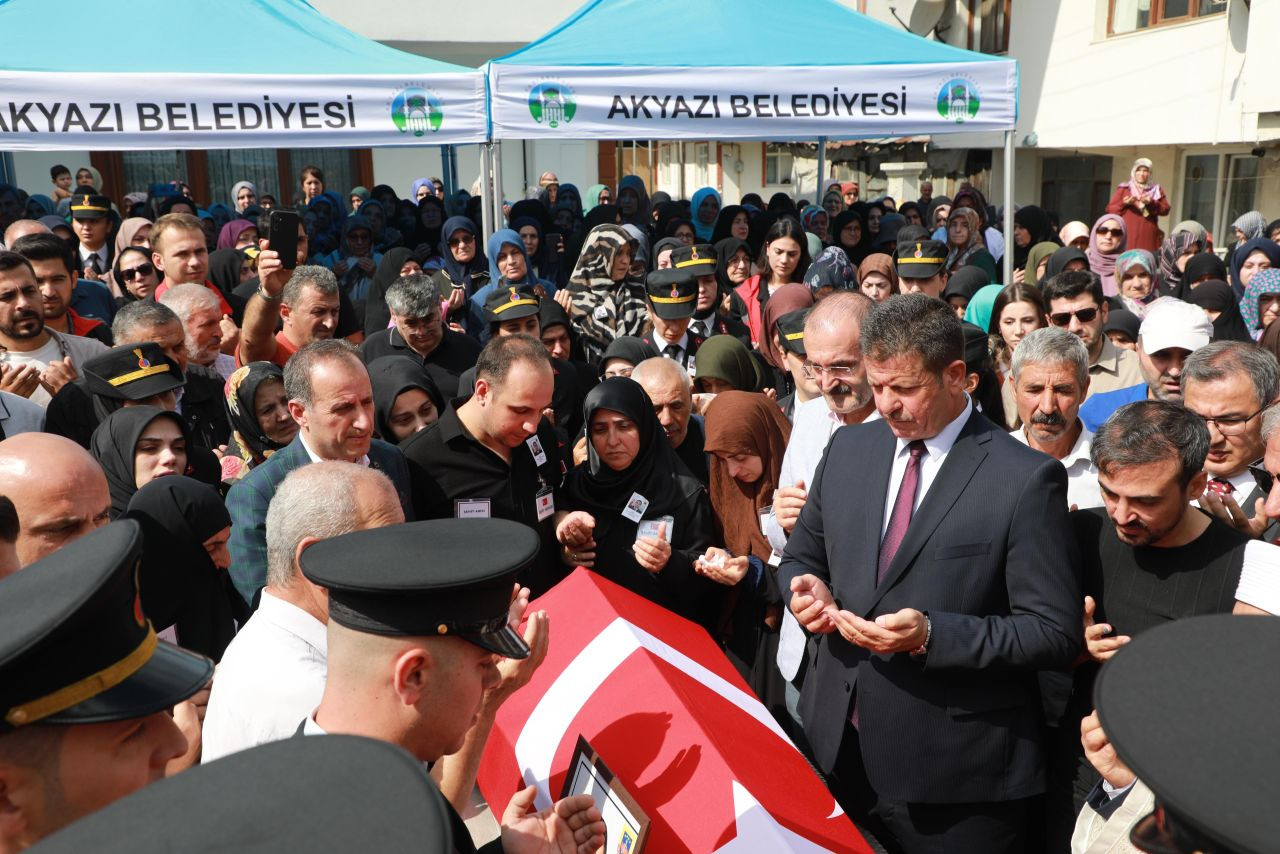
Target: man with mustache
{"type": "Point", "coordinates": [1050, 372]}
{"type": "Point", "coordinates": [35, 361]}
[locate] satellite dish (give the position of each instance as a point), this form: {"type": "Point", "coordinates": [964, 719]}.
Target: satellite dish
{"type": "Point", "coordinates": [916, 16]}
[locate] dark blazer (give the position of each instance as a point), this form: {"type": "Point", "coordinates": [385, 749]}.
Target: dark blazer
{"type": "Point", "coordinates": [990, 557]}
{"type": "Point", "coordinates": [249, 498]}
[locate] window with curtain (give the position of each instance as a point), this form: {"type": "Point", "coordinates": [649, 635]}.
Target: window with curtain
{"type": "Point", "coordinates": [778, 165]}
{"type": "Point", "coordinates": [338, 167]}
{"type": "Point", "coordinates": [144, 168]}
{"type": "Point", "coordinates": [989, 25]}
{"type": "Point", "coordinates": [258, 166]}
{"type": "Point", "coordinates": [1128, 16]}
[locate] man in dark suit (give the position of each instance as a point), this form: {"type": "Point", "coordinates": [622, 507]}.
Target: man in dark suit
{"type": "Point", "coordinates": [1230, 384]}
{"type": "Point", "coordinates": [934, 561]}
{"type": "Point", "coordinates": [331, 398]}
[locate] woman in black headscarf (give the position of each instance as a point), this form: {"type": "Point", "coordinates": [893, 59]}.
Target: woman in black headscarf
{"type": "Point", "coordinates": [394, 264]}
{"type": "Point", "coordinates": [849, 232]}
{"type": "Point", "coordinates": [632, 485]}
{"type": "Point", "coordinates": [623, 354]}
{"type": "Point", "coordinates": [1201, 267]}
{"type": "Point", "coordinates": [544, 260]}
{"type": "Point", "coordinates": [225, 266]}
{"type": "Point", "coordinates": [1216, 298]}
{"type": "Point", "coordinates": [429, 223]}
{"type": "Point", "coordinates": [258, 412]}
{"type": "Point", "coordinates": [733, 221]}
{"type": "Point", "coordinates": [183, 578]}
{"type": "Point", "coordinates": [134, 446]}
{"type": "Point", "coordinates": [1030, 226]}
{"type": "Point", "coordinates": [1067, 256]}
{"type": "Point", "coordinates": [405, 399]}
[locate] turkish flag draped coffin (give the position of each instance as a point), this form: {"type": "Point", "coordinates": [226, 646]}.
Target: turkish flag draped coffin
{"type": "Point", "coordinates": [670, 716]}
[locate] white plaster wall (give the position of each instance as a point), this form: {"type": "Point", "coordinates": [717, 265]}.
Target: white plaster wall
{"type": "Point", "coordinates": [1079, 89]}
{"type": "Point", "coordinates": [32, 168]}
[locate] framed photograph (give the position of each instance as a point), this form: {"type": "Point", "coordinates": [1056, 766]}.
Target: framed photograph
{"type": "Point", "coordinates": [627, 825]}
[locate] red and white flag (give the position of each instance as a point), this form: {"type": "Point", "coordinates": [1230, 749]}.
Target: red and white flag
{"type": "Point", "coordinates": [669, 715]}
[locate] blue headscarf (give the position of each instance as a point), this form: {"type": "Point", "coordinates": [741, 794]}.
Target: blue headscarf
{"type": "Point", "coordinates": [501, 237]}
{"type": "Point", "coordinates": [703, 230]}
{"type": "Point", "coordinates": [456, 271]}
{"type": "Point", "coordinates": [413, 193]}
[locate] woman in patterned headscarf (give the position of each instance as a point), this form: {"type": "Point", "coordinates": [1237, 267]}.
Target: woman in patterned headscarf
{"type": "Point", "coordinates": [1140, 202]}
{"type": "Point", "coordinates": [604, 301]}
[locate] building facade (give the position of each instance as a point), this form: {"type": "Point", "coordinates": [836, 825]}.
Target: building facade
{"type": "Point", "coordinates": [1102, 83]}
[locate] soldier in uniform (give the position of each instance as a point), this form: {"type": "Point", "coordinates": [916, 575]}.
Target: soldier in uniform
{"type": "Point", "coordinates": [86, 688]}
{"type": "Point", "coordinates": [415, 637]}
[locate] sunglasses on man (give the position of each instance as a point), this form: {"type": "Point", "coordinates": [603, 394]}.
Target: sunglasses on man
{"type": "Point", "coordinates": [1063, 318]}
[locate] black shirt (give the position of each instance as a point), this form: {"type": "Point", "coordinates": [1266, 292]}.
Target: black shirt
{"type": "Point", "coordinates": [452, 357]}
{"type": "Point", "coordinates": [567, 395]}
{"type": "Point", "coordinates": [1139, 588]}
{"type": "Point", "coordinates": [448, 465]}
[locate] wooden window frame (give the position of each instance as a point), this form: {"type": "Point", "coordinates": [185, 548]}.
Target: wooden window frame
{"type": "Point", "coordinates": [1158, 19]}
{"type": "Point", "coordinates": [975, 25]}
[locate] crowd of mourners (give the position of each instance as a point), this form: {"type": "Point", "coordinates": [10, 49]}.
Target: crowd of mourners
{"type": "Point", "coordinates": [655, 389]}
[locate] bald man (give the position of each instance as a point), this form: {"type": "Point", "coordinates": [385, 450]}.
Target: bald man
{"type": "Point", "coordinates": [22, 228]}
{"type": "Point", "coordinates": [59, 491]}
{"type": "Point", "coordinates": [671, 391]}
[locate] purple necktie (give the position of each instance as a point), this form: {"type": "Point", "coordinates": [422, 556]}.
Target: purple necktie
{"type": "Point", "coordinates": [903, 506]}
{"type": "Point", "coordinates": [899, 519]}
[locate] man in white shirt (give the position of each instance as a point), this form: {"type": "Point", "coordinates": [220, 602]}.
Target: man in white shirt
{"type": "Point", "coordinates": [35, 361]}
{"type": "Point", "coordinates": [272, 674]}
{"type": "Point", "coordinates": [1050, 373]}
{"type": "Point", "coordinates": [834, 361]}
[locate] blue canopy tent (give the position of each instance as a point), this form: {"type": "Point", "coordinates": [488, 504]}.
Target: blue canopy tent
{"type": "Point", "coordinates": [235, 74]}
{"type": "Point", "coordinates": [740, 70]}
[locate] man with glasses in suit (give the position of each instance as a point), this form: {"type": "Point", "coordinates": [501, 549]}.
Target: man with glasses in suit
{"type": "Point", "coordinates": [1230, 384]}
{"type": "Point", "coordinates": [1076, 303]}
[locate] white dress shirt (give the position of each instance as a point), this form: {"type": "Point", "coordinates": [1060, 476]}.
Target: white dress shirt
{"type": "Point", "coordinates": [936, 450]}
{"type": "Point", "coordinates": [363, 461]}
{"type": "Point", "coordinates": [270, 678]}
{"type": "Point", "coordinates": [812, 427]}
{"type": "Point", "coordinates": [1082, 477]}
{"type": "Point", "coordinates": [101, 252]}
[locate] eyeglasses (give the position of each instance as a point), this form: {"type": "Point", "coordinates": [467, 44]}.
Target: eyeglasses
{"type": "Point", "coordinates": [836, 372]}
{"type": "Point", "coordinates": [1063, 318]}
{"type": "Point", "coordinates": [144, 269]}
{"type": "Point", "coordinates": [461, 241]}
{"type": "Point", "coordinates": [1232, 425]}
{"type": "Point", "coordinates": [1114, 232]}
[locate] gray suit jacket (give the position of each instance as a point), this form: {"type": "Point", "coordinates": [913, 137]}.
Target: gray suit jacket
{"type": "Point", "coordinates": [249, 498]}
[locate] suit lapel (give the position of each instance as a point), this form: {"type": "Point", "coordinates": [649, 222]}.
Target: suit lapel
{"type": "Point", "coordinates": [957, 470]}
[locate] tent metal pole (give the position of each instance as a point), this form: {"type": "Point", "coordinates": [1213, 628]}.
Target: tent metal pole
{"type": "Point", "coordinates": [497, 189]}
{"type": "Point", "coordinates": [822, 159]}
{"type": "Point", "coordinates": [1008, 207]}
{"type": "Point", "coordinates": [486, 198]}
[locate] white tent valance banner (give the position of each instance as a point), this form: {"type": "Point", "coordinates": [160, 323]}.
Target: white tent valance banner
{"type": "Point", "coordinates": [77, 110]}
{"type": "Point", "coordinates": [745, 103]}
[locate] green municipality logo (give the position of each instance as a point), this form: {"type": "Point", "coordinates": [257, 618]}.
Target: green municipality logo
{"type": "Point", "coordinates": [416, 110]}
{"type": "Point", "coordinates": [959, 100]}
{"type": "Point", "coordinates": [552, 104]}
